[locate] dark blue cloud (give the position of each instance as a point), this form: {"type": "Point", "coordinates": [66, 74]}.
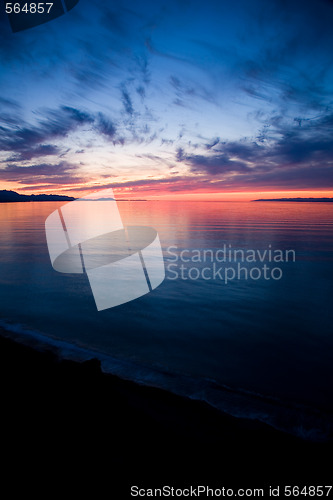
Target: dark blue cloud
{"type": "Point", "coordinates": [26, 142]}
{"type": "Point", "coordinates": [127, 102]}
{"type": "Point", "coordinates": [106, 126]}
{"type": "Point", "coordinates": [52, 125]}
{"type": "Point", "coordinates": [28, 153]}
{"type": "Point", "coordinates": [298, 156]}
{"type": "Point", "coordinates": [54, 174]}
{"type": "Point", "coordinates": [240, 92]}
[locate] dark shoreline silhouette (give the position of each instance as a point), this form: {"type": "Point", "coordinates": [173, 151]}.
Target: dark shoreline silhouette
{"type": "Point", "coordinates": [73, 410]}
{"type": "Point", "coordinates": [12, 196]}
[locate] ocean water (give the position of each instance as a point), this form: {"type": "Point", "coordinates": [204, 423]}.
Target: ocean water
{"type": "Point", "coordinates": [256, 345]}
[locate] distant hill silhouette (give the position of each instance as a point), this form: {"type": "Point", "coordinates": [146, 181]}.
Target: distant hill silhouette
{"type": "Point", "coordinates": [12, 196]}
{"type": "Point", "coordinates": [314, 200]}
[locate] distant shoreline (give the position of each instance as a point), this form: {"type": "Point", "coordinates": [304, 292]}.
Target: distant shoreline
{"type": "Point", "coordinates": [12, 197]}
{"type": "Point", "coordinates": [302, 200]}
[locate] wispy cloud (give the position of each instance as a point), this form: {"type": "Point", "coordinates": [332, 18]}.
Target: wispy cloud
{"type": "Point", "coordinates": [59, 174]}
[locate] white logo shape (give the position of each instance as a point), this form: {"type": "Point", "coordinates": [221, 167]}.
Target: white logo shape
{"type": "Point", "coordinates": [122, 263]}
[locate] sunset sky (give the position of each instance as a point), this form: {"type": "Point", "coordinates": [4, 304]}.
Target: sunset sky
{"type": "Point", "coordinates": [178, 99]}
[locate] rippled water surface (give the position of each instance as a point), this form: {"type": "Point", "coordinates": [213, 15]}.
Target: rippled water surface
{"type": "Point", "coordinates": [271, 339]}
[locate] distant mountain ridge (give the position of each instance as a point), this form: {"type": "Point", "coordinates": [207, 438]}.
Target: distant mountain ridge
{"type": "Point", "coordinates": [12, 196]}
{"type": "Point", "coordinates": [312, 200]}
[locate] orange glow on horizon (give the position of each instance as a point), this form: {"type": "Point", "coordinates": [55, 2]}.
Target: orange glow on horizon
{"type": "Point", "coordinates": [161, 192]}
{"type": "Point", "coordinates": [242, 196]}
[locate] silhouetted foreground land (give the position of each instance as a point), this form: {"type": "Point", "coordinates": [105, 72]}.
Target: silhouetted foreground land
{"type": "Point", "coordinates": [12, 196]}
{"type": "Point", "coordinates": [67, 420]}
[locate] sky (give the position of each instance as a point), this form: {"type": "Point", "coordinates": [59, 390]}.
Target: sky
{"type": "Point", "coordinates": [181, 99]}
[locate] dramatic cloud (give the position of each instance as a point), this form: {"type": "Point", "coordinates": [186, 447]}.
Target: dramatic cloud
{"type": "Point", "coordinates": [298, 155]}
{"type": "Point", "coordinates": [27, 153]}
{"type": "Point", "coordinates": [53, 125]}
{"type": "Point", "coordinates": [235, 95]}
{"type": "Point", "coordinates": [61, 173]}
{"type": "Point", "coordinates": [26, 142]}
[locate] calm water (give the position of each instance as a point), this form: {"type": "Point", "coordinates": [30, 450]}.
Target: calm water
{"type": "Point", "coordinates": [261, 348]}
